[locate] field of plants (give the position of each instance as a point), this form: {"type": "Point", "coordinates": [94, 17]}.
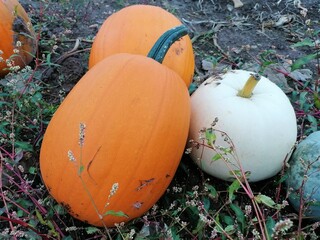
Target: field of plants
{"type": "Point", "coordinates": [91, 141]}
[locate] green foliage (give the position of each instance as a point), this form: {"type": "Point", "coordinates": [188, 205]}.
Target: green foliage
{"type": "Point", "coordinates": [52, 231]}
{"type": "Point", "coordinates": [306, 94]}
{"type": "Point", "coordinates": [210, 136]}
{"type": "Point", "coordinates": [267, 201]}
{"type": "Point", "coordinates": [299, 63]}
{"type": "Point", "coordinates": [270, 224]}
{"type": "Point", "coordinates": [232, 189]}
{"type": "Point", "coordinates": [309, 42]}
{"type": "Point", "coordinates": [266, 59]}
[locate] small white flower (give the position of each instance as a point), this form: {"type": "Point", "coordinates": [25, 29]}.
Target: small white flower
{"type": "Point", "coordinates": [282, 226]}
{"type": "Point", "coordinates": [114, 189]}
{"type": "Point", "coordinates": [82, 134]}
{"type": "Point", "coordinates": [72, 228]}
{"type": "Point", "coordinates": [21, 168]}
{"type": "Point", "coordinates": [131, 234]}
{"type": "Point", "coordinates": [71, 156]}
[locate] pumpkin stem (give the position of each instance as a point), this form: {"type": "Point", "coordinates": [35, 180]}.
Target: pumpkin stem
{"type": "Point", "coordinates": [162, 45]}
{"type": "Point", "coordinates": [246, 91]}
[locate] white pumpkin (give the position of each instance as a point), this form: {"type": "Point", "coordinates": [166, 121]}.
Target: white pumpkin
{"type": "Point", "coordinates": [262, 125]}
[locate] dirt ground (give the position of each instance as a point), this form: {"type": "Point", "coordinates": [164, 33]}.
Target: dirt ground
{"type": "Point", "coordinates": [217, 29]}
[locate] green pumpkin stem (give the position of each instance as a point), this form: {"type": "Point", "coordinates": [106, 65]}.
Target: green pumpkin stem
{"type": "Point", "coordinates": [162, 45]}
{"type": "Point", "coordinates": [246, 91]}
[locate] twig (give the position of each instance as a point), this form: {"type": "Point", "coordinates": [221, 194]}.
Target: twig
{"type": "Point", "coordinates": [47, 72]}
{"type": "Point", "coordinates": [26, 225]}
{"type": "Point", "coordinates": [2, 195]}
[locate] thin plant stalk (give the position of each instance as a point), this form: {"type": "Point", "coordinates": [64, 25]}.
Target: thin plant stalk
{"type": "Point", "coordinates": [244, 184]}
{"type": "Point", "coordinates": [83, 183]}
{"type": "Point", "coordinates": [2, 195]}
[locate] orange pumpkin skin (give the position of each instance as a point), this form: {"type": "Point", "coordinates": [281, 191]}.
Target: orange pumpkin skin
{"type": "Point", "coordinates": [135, 29]}
{"type": "Point", "coordinates": [137, 114]}
{"type": "Point", "coordinates": [13, 25]}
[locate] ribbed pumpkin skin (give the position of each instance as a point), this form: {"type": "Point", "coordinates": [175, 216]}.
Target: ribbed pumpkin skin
{"type": "Point", "coordinates": [137, 115]}
{"type": "Point", "coordinates": [135, 29]}
{"type": "Point", "coordinates": [303, 172]}
{"type": "Point", "coordinates": [10, 28]}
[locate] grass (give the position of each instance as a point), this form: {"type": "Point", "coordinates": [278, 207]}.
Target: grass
{"type": "Point", "coordinates": [195, 206]}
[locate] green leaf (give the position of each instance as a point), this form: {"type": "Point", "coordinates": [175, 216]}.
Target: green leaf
{"type": "Point", "coordinates": [67, 238]}
{"type": "Point", "coordinates": [227, 150]}
{"type": "Point", "coordinates": [36, 97]}
{"type": "Point", "coordinates": [283, 178]}
{"type": "Point", "coordinates": [266, 64]}
{"type": "Point", "coordinates": [218, 226]}
{"type": "Point", "coordinates": [210, 136]}
{"type": "Point", "coordinates": [3, 94]}
{"type": "Point", "coordinates": [267, 201]}
{"type": "Point", "coordinates": [237, 173]}
{"type": "Point", "coordinates": [212, 191]}
{"type": "Point", "coordinates": [2, 103]}
{"type": "Point", "coordinates": [316, 100]}
{"type": "Point", "coordinates": [80, 170]}
{"type": "Point", "coordinates": [46, 223]}
{"type": "Point", "coordinates": [59, 209]}
{"type": "Point", "coordinates": [40, 218]}
{"type": "Point", "coordinates": [227, 219]}
{"type": "Point", "coordinates": [302, 98]}
{"type": "Point", "coordinates": [24, 146]}
{"type": "Point", "coordinates": [216, 157]}
{"type": "Point", "coordinates": [50, 64]}
{"type": "Point", "coordinates": [52, 229]}
{"type": "Point", "coordinates": [305, 43]}
{"type": "Point", "coordinates": [119, 237]}
{"type": "Point", "coordinates": [313, 122]}
{"type": "Point", "coordinates": [303, 60]}
{"type": "Point", "coordinates": [20, 213]}
{"type": "Point", "coordinates": [24, 203]}
{"type": "Point", "coordinates": [174, 234]}
{"type": "Point", "coordinates": [49, 59]}
{"type": "Point", "coordinates": [235, 185]}
{"type": "Point", "coordinates": [270, 223]}
{"type": "Point", "coordinates": [199, 228]}
{"type": "Point", "coordinates": [116, 214]}
{"type": "Point", "coordinates": [314, 203]}
{"type": "Point", "coordinates": [32, 170]}
{"type": "Point", "coordinates": [230, 229]}
{"type": "Point", "coordinates": [92, 230]}
{"type": "Point", "coordinates": [206, 203]}
{"type": "Point", "coordinates": [240, 216]}
{"type": "Point", "coordinates": [192, 88]}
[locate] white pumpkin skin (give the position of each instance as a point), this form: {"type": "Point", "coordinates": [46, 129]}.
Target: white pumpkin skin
{"type": "Point", "coordinates": [262, 128]}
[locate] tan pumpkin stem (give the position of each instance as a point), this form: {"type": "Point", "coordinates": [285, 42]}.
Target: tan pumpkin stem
{"type": "Point", "coordinates": [246, 91]}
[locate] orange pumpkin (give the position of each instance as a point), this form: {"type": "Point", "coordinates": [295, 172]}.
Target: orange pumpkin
{"type": "Point", "coordinates": [135, 29]}
{"type": "Point", "coordinates": [15, 26]}
{"type": "Point", "coordinates": [136, 113]}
